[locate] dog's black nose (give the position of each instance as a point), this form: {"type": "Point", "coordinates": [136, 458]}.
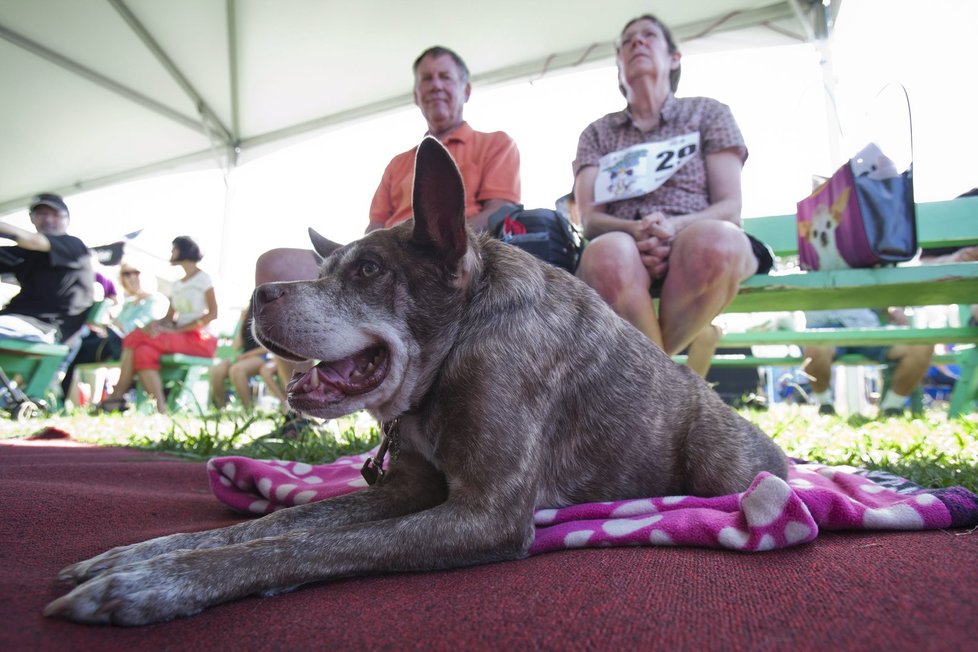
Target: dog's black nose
{"type": "Point", "coordinates": [267, 293]}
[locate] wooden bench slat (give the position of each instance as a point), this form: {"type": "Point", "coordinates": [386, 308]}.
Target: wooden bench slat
{"type": "Point", "coordinates": [36, 362]}
{"type": "Point", "coordinates": [39, 349]}
{"type": "Point", "coordinates": [882, 336]}
{"type": "Point", "coordinates": [951, 223]}
{"type": "Point", "coordinates": [727, 360]}
{"type": "Point", "coordinates": [857, 288]}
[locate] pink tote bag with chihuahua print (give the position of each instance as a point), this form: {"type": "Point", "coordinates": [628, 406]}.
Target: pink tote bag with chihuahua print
{"type": "Point", "coordinates": [862, 216]}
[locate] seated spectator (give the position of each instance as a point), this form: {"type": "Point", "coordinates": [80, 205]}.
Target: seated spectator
{"type": "Point", "coordinates": [252, 359]}
{"type": "Point", "coordinates": [103, 342]}
{"type": "Point", "coordinates": [677, 236]}
{"type": "Point", "coordinates": [489, 163]}
{"type": "Point", "coordinates": [54, 271]}
{"type": "Point", "coordinates": [140, 306]}
{"type": "Point", "coordinates": [193, 305]}
{"type": "Point", "coordinates": [911, 360]}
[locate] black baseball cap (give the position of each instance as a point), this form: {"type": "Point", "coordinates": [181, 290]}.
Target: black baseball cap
{"type": "Point", "coordinates": [49, 199]}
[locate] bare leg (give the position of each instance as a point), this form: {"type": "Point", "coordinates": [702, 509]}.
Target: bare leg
{"type": "Point", "coordinates": [913, 360]}
{"type": "Point", "coordinates": [709, 260]}
{"type": "Point", "coordinates": [611, 265]}
{"type": "Point", "coordinates": [218, 374]}
{"type": "Point", "coordinates": [241, 371]}
{"type": "Point", "coordinates": [701, 350]}
{"type": "Point", "coordinates": [819, 367]}
{"type": "Point", "coordinates": [269, 373]}
{"type": "Point", "coordinates": [153, 384]}
{"type": "Point", "coordinates": [126, 376]}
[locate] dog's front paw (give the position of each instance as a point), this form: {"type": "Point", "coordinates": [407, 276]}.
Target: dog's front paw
{"type": "Point", "coordinates": [138, 594]}
{"type": "Point", "coordinates": [90, 568]}
{"type": "Point", "coordinates": [84, 571]}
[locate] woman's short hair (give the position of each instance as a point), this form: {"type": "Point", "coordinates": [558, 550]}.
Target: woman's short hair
{"type": "Point", "coordinates": [670, 43]}
{"type": "Point", "coordinates": [187, 249]}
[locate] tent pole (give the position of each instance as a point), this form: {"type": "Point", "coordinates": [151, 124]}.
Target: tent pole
{"type": "Point", "coordinates": [817, 17]}
{"type": "Point", "coordinates": [212, 122]}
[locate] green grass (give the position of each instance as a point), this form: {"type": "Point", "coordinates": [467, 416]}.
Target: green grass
{"type": "Point", "coordinates": [202, 436]}
{"type": "Point", "coordinates": [931, 450]}
{"type": "Point", "coordinates": [316, 443]}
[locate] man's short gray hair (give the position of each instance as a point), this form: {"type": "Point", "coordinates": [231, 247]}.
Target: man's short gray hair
{"type": "Point", "coordinates": [438, 51]}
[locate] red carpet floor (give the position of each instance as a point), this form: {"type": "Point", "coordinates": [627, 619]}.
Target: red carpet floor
{"type": "Point", "coordinates": [63, 502]}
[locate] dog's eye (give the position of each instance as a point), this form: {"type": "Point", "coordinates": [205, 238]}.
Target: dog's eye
{"type": "Point", "coordinates": [368, 268]}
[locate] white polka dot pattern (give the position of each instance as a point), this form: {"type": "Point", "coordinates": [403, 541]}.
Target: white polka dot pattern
{"type": "Point", "coordinates": [772, 513]}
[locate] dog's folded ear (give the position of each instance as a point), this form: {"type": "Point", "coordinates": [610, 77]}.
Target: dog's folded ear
{"type": "Point", "coordinates": [323, 246]}
{"type": "Point", "coordinates": [439, 201]}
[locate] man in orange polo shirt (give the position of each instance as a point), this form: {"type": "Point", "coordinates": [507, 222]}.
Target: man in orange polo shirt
{"type": "Point", "coordinates": [489, 162]}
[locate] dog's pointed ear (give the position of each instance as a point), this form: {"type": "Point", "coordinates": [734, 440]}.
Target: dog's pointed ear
{"type": "Point", "coordinates": [439, 201]}
{"type": "Point", "coordinates": [323, 246]}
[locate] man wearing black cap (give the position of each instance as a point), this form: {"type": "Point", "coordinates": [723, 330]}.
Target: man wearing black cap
{"type": "Point", "coordinates": [53, 269]}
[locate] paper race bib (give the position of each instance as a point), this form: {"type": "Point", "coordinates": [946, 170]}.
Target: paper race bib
{"type": "Point", "coordinates": [640, 169]}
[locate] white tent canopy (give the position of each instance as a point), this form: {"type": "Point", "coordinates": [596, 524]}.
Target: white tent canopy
{"type": "Point", "coordinates": [98, 91]}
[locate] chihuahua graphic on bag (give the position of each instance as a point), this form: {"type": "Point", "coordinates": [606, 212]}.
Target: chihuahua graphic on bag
{"type": "Point", "coordinates": [505, 385]}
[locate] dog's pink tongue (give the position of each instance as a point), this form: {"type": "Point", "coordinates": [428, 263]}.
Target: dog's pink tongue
{"type": "Point", "coordinates": [336, 379]}
{"type": "Point", "coordinates": [313, 381]}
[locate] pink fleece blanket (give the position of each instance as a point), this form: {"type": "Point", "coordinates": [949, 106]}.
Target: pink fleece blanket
{"type": "Point", "coordinates": [771, 514]}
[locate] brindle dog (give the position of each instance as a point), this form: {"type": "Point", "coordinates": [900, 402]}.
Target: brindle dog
{"type": "Point", "coordinates": [512, 386]}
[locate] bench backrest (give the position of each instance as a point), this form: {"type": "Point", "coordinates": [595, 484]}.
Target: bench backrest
{"type": "Point", "coordinates": [952, 223]}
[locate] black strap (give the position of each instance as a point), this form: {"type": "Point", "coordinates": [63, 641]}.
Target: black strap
{"type": "Point", "coordinates": [496, 220]}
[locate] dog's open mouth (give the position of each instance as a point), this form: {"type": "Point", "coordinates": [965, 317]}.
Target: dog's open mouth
{"type": "Point", "coordinates": [334, 380]}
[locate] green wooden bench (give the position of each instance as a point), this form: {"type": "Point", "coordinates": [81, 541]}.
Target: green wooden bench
{"type": "Point", "coordinates": [883, 335]}
{"type": "Point", "coordinates": [36, 363]}
{"type": "Point", "coordinates": [741, 360]}
{"type": "Point", "coordinates": [939, 224]}
{"type": "Point", "coordinates": [180, 373]}
{"type": "Point", "coordinates": [966, 388]}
